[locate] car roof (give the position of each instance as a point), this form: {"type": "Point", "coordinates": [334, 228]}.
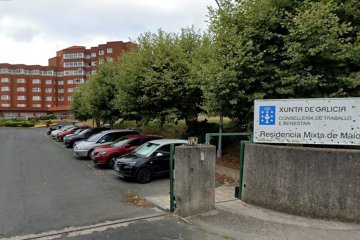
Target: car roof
{"type": "Point", "coordinates": [120, 130]}
{"type": "Point", "coordinates": [142, 136]}
{"type": "Point", "coordinates": [169, 141]}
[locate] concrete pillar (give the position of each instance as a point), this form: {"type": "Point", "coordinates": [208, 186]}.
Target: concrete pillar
{"type": "Point", "coordinates": [194, 186]}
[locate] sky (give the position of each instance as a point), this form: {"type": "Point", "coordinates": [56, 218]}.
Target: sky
{"type": "Point", "coordinates": [31, 31]}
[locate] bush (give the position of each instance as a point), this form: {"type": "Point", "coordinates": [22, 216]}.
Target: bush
{"type": "Point", "coordinates": [19, 124]}
{"type": "Point", "coordinates": [18, 119]}
{"type": "Point", "coordinates": [199, 130]}
{"type": "Point", "coordinates": [47, 117]}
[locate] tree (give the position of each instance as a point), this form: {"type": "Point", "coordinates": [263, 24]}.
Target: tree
{"type": "Point", "coordinates": [157, 80]}
{"type": "Point", "coordinates": [100, 93]}
{"type": "Point", "coordinates": [281, 49]}
{"type": "Point", "coordinates": [78, 107]}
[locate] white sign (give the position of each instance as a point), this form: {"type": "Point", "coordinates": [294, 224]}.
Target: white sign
{"type": "Point", "coordinates": [334, 121]}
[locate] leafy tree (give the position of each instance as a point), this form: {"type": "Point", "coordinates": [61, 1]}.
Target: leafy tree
{"type": "Point", "coordinates": [271, 49]}
{"type": "Point", "coordinates": [78, 105]}
{"type": "Point", "coordinates": [158, 80]}
{"type": "Point", "coordinates": [100, 94]}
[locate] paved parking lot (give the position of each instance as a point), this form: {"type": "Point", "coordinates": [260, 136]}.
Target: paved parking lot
{"type": "Point", "coordinates": [44, 187]}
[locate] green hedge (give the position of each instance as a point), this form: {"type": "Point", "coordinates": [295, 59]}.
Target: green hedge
{"type": "Point", "coordinates": [19, 124]}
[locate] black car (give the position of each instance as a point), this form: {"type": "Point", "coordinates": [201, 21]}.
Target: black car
{"type": "Point", "coordinates": [151, 159]}
{"type": "Point", "coordinates": [69, 142]}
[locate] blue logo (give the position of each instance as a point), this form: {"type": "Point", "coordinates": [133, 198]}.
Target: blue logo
{"type": "Point", "coordinates": [267, 115]}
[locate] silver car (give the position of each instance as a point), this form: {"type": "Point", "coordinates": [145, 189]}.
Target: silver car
{"type": "Point", "coordinates": [84, 148]}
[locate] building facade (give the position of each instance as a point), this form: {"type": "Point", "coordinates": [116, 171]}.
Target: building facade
{"type": "Point", "coordinates": [34, 90]}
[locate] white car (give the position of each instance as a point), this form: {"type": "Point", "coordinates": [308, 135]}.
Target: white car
{"type": "Point", "coordinates": [55, 132]}
{"type": "Point", "coordinates": [84, 148]}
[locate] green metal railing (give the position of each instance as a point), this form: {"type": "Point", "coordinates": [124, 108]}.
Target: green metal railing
{"type": "Point", "coordinates": [172, 196]}
{"type": "Point", "coordinates": [242, 150]}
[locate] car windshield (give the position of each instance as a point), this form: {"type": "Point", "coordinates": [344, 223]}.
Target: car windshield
{"type": "Point", "coordinates": [84, 132]}
{"type": "Point", "coordinates": [94, 138]}
{"type": "Point", "coordinates": [121, 141]}
{"type": "Point", "coordinates": [78, 131]}
{"type": "Point", "coordinates": [146, 148]}
{"type": "Point", "coordinates": [66, 128]}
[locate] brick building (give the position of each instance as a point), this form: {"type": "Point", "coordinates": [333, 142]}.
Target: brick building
{"type": "Point", "coordinates": [34, 90]}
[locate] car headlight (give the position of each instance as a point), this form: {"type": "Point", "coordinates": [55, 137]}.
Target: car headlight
{"type": "Point", "coordinates": [101, 153]}
{"type": "Point", "coordinates": [80, 147]}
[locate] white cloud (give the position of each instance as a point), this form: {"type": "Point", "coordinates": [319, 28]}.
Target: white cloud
{"type": "Point", "coordinates": [32, 31]}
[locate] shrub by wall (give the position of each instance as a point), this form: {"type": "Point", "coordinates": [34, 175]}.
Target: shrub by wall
{"type": "Point", "coordinates": [19, 124]}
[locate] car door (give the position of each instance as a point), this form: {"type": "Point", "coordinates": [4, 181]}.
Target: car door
{"type": "Point", "coordinates": [161, 160]}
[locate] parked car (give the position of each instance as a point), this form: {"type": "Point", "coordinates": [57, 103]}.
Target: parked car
{"type": "Point", "coordinates": [85, 148]}
{"type": "Point", "coordinates": [150, 160]}
{"type": "Point", "coordinates": [108, 154]}
{"type": "Point", "coordinates": [75, 133]}
{"type": "Point", "coordinates": [69, 141]}
{"type": "Point", "coordinates": [60, 135]}
{"type": "Point", "coordinates": [55, 132]}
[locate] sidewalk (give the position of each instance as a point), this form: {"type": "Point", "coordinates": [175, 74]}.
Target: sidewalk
{"type": "Point", "coordinates": [234, 219]}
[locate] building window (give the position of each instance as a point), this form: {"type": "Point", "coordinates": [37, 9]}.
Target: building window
{"type": "Point", "coordinates": [40, 114]}
{"type": "Point", "coordinates": [21, 89]}
{"type": "Point", "coordinates": [73, 64]}
{"type": "Point", "coordinates": [21, 105]}
{"type": "Point", "coordinates": [36, 81]}
{"type": "Point", "coordinates": [70, 98]}
{"type": "Point", "coordinates": [36, 89]}
{"type": "Point", "coordinates": [5, 97]}
{"type": "Point", "coordinates": [60, 90]}
{"type": "Point", "coordinates": [47, 105]}
{"type": "Point", "coordinates": [73, 55]}
{"type": "Point", "coordinates": [20, 80]}
{"type": "Point", "coordinates": [61, 99]}
{"type": "Point", "coordinates": [48, 82]}
{"type": "Point", "coordinates": [11, 115]}
{"type": "Point", "coordinates": [57, 115]}
{"type": "Point", "coordinates": [70, 90]}
{"type": "Point", "coordinates": [101, 61]}
{"type": "Point", "coordinates": [87, 57]}
{"type": "Point", "coordinates": [48, 99]}
{"type": "Point", "coordinates": [5, 105]}
{"type": "Point", "coordinates": [36, 98]}
{"type": "Point", "coordinates": [5, 89]}
{"type": "Point", "coordinates": [109, 50]}
{"type": "Point", "coordinates": [26, 114]}
{"type": "Point", "coordinates": [70, 81]}
{"type": "Point", "coordinates": [110, 59]}
{"type": "Point", "coordinates": [101, 52]}
{"type": "Point", "coordinates": [88, 65]}
{"type": "Point", "coordinates": [93, 72]}
{"type": "Point", "coordinates": [64, 115]}
{"type": "Point", "coordinates": [79, 80]}
{"type": "Point", "coordinates": [93, 54]}
{"type": "Point", "coordinates": [36, 105]}
{"type": "Point", "coordinates": [48, 90]}
{"type": "Point", "coordinates": [21, 98]}
{"type": "Point", "coordinates": [88, 73]}
{"type": "Point", "coordinates": [60, 82]}
{"type": "Point", "coordinates": [5, 80]}
{"type": "Point", "coordinates": [93, 63]}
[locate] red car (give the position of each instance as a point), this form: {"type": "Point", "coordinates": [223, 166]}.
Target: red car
{"type": "Point", "coordinates": [107, 154]}
{"type": "Point", "coordinates": [60, 136]}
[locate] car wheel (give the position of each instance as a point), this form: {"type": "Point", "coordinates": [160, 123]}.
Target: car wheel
{"type": "Point", "coordinates": [111, 161]}
{"type": "Point", "coordinates": [144, 175]}
{"type": "Point", "coordinates": [89, 153]}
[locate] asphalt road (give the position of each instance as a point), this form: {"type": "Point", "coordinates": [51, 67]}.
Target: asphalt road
{"type": "Point", "coordinates": [43, 188]}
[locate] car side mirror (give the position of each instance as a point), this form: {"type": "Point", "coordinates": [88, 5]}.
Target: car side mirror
{"type": "Point", "coordinates": [102, 141]}
{"type": "Point", "coordinates": [158, 154]}
{"type": "Point", "coordinates": [127, 145]}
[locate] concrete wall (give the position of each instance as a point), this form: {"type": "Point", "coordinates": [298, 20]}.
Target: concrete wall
{"type": "Point", "coordinates": [194, 185]}
{"type": "Point", "coordinates": [316, 182]}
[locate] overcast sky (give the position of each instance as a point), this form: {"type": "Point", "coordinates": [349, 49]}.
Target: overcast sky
{"type": "Point", "coordinates": [31, 31]}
